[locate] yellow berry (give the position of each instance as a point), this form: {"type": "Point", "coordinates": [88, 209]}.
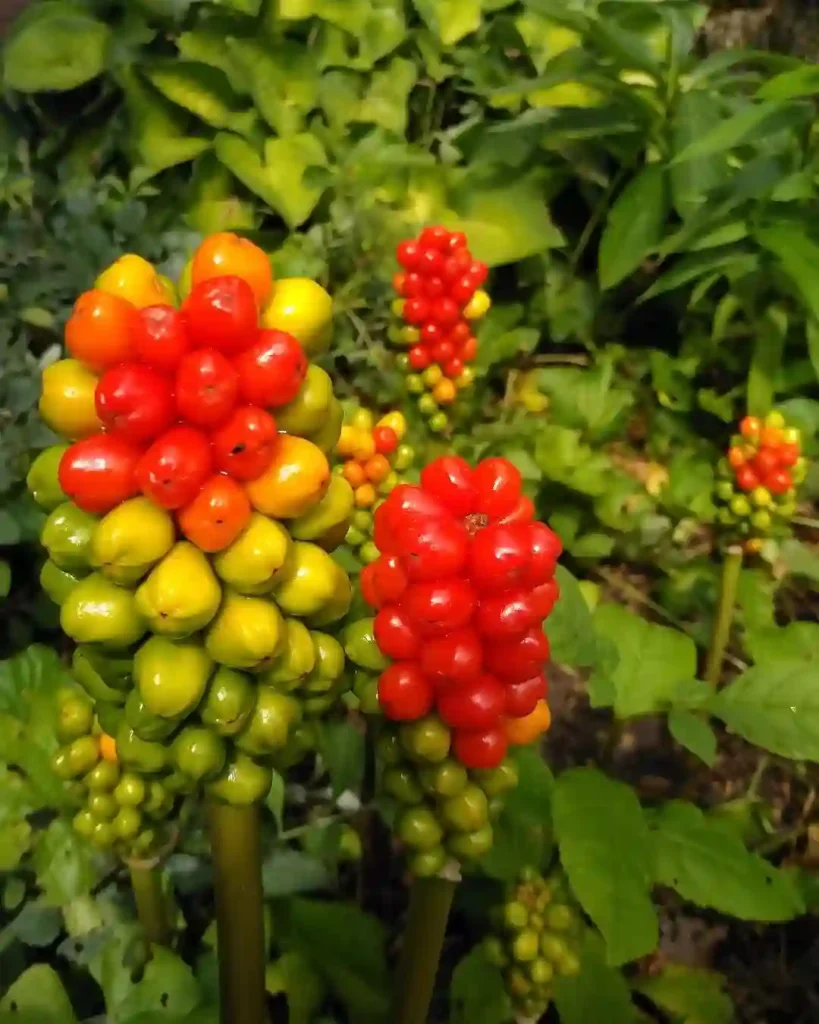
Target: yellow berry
{"type": "Point", "coordinates": [395, 421]}
{"type": "Point", "coordinates": [466, 378]}
{"type": "Point", "coordinates": [432, 375]}
{"type": "Point", "coordinates": [444, 391]}
{"type": "Point", "coordinates": [364, 445]}
{"type": "Point", "coordinates": [364, 495]}
{"type": "Point", "coordinates": [397, 307]}
{"type": "Point", "coordinates": [761, 497]}
{"type": "Point", "coordinates": [347, 440]}
{"type": "Point", "coordinates": [410, 335]}
{"type": "Point", "coordinates": [363, 419]}
{"type": "Point", "coordinates": [478, 306]}
{"type": "Point", "coordinates": [775, 419]}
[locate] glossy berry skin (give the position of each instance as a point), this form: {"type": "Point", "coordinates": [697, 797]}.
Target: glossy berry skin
{"type": "Point", "coordinates": [99, 472]}
{"type": "Point", "coordinates": [498, 484]}
{"type": "Point", "coordinates": [395, 634]}
{"type": "Point", "coordinates": [450, 480]}
{"type": "Point", "coordinates": [480, 749]}
{"type": "Point", "coordinates": [135, 402]}
{"type": "Point", "coordinates": [271, 370]}
{"type": "Point", "coordinates": [522, 698]}
{"type": "Point", "coordinates": [507, 614]}
{"type": "Point", "coordinates": [455, 657]}
{"type": "Point", "coordinates": [477, 703]}
{"type": "Point", "coordinates": [404, 692]}
{"type": "Point", "coordinates": [245, 444]}
{"type": "Point", "coordinates": [221, 313]}
{"type": "Point", "coordinates": [207, 388]}
{"type": "Point", "coordinates": [176, 465]}
{"type": "Point", "coordinates": [499, 557]}
{"type": "Point", "coordinates": [160, 337]}
{"type": "Point", "coordinates": [436, 607]}
{"type": "Point", "coordinates": [217, 515]}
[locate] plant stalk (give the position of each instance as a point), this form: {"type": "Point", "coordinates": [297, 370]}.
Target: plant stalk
{"type": "Point", "coordinates": [429, 905]}
{"type": "Point", "coordinates": [152, 912]}
{"type": "Point", "coordinates": [731, 567]}
{"type": "Point", "coordinates": [237, 869]}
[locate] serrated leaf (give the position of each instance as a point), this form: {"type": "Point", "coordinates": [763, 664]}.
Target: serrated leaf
{"type": "Point", "coordinates": [774, 705]}
{"type": "Point", "coordinates": [634, 226]}
{"type": "Point", "coordinates": [694, 733]}
{"type": "Point", "coordinates": [64, 864]}
{"type": "Point", "coordinates": [570, 627]}
{"type": "Point", "coordinates": [341, 746]}
{"type": "Point", "coordinates": [477, 994]}
{"type": "Point", "coordinates": [60, 48]}
{"type": "Point", "coordinates": [598, 993]}
{"type": "Point", "coordinates": [710, 867]}
{"type": "Point", "coordinates": [38, 997]}
{"type": "Point", "coordinates": [691, 995]}
{"type": "Point", "coordinates": [653, 661]}
{"type": "Point", "coordinates": [604, 847]}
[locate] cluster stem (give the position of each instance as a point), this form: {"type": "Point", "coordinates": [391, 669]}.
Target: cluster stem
{"type": "Point", "coordinates": [146, 883]}
{"type": "Point", "coordinates": [731, 568]}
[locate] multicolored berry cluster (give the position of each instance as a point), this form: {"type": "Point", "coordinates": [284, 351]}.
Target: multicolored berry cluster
{"type": "Point", "coordinates": [537, 936]}
{"type": "Point", "coordinates": [373, 459]}
{"type": "Point", "coordinates": [756, 487]}
{"type": "Point", "coordinates": [440, 296]}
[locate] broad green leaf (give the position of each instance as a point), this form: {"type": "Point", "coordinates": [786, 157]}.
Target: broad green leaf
{"type": "Point", "coordinates": [691, 995]}
{"type": "Point", "coordinates": [654, 661]}
{"type": "Point", "coordinates": [755, 596]}
{"type": "Point", "coordinates": [385, 102]}
{"type": "Point", "coordinates": [341, 746]}
{"type": "Point", "coordinates": [38, 997]}
{"type": "Point", "coordinates": [754, 123]}
{"type": "Point", "coordinates": [279, 179]}
{"type": "Point", "coordinates": [695, 114]}
{"type": "Point", "coordinates": [60, 48]}
{"type": "Point", "coordinates": [791, 85]}
{"type": "Point", "coordinates": [697, 265]}
{"type": "Point", "coordinates": [794, 642]}
{"type": "Point", "coordinates": [771, 330]}
{"type": "Point", "coordinates": [294, 976]}
{"type": "Point", "coordinates": [347, 946]}
{"type": "Point", "coordinates": [450, 20]}
{"type": "Point", "coordinates": [505, 224]}
{"type": "Point", "coordinates": [605, 850]}
{"type": "Point", "coordinates": [350, 15]}
{"type": "Point", "coordinates": [287, 871]}
{"type": "Point", "coordinates": [709, 866]}
{"type": "Point", "coordinates": [201, 89]}
{"type": "Point", "coordinates": [64, 864]}
{"type": "Point", "coordinates": [798, 254]}
{"type": "Point", "coordinates": [214, 203]}
{"type": "Point", "coordinates": [799, 559]}
{"type": "Point", "coordinates": [544, 38]}
{"type": "Point", "coordinates": [477, 994]}
{"type": "Point", "coordinates": [15, 841]}
{"type": "Point", "coordinates": [283, 81]}
{"type": "Point", "coordinates": [5, 578]}
{"type": "Point", "coordinates": [212, 41]}
{"type": "Point", "coordinates": [570, 627]}
{"type": "Point", "coordinates": [812, 338]}
{"type": "Point", "coordinates": [635, 225]}
{"type": "Point", "coordinates": [598, 993]}
{"type": "Point", "coordinates": [694, 733]}
{"type": "Point", "coordinates": [774, 705]}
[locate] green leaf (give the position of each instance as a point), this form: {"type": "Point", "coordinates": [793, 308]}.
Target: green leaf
{"type": "Point", "coordinates": [774, 705]}
{"type": "Point", "coordinates": [477, 994]}
{"type": "Point", "coordinates": [709, 866]}
{"type": "Point", "coordinates": [279, 179]}
{"type": "Point", "coordinates": [752, 124]}
{"type": "Point", "coordinates": [64, 864]}
{"type": "Point", "coordinates": [251, 7]}
{"type": "Point", "coordinates": [9, 529]}
{"type": "Point", "coordinates": [201, 89]}
{"type": "Point", "coordinates": [635, 225]}
{"type": "Point", "coordinates": [505, 224]}
{"type": "Point", "coordinates": [5, 578]}
{"type": "Point", "coordinates": [38, 997]}
{"type": "Point", "coordinates": [450, 20]}
{"type": "Point", "coordinates": [570, 627]}
{"type": "Point", "coordinates": [297, 979]}
{"type": "Point", "coordinates": [796, 641]}
{"type": "Point", "coordinates": [284, 81]}
{"type": "Point", "coordinates": [598, 993]}
{"type": "Point", "coordinates": [60, 48]}
{"type": "Point", "coordinates": [604, 848]}
{"type": "Point", "coordinates": [798, 254]}
{"type": "Point", "coordinates": [771, 330]}
{"type": "Point", "coordinates": [691, 995]}
{"type": "Point", "coordinates": [695, 114]}
{"type": "Point", "coordinates": [697, 265]}
{"type": "Point", "coordinates": [275, 799]}
{"type": "Point", "coordinates": [694, 733]}
{"type": "Point", "coordinates": [287, 871]}
{"type": "Point", "coordinates": [654, 661]}
{"type": "Point", "coordinates": [799, 559]}
{"type": "Point", "coordinates": [791, 85]}
{"type": "Point", "coordinates": [341, 746]}
{"type": "Point", "coordinates": [347, 946]}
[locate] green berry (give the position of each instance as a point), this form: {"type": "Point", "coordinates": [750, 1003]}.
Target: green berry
{"type": "Point", "coordinates": [369, 552]}
{"type": "Point", "coordinates": [389, 749]}
{"type": "Point", "coordinates": [468, 811]}
{"type": "Point", "coordinates": [553, 947]}
{"type": "Point", "coordinates": [103, 776]}
{"type": "Point", "coordinates": [569, 964]}
{"type": "Point", "coordinates": [471, 845]}
{"type": "Point", "coordinates": [402, 785]}
{"type": "Point", "coordinates": [389, 483]}
{"type": "Point", "coordinates": [404, 457]}
{"type": "Point", "coordinates": [402, 362]}
{"type": "Point", "coordinates": [127, 823]}
{"type": "Point", "coordinates": [61, 766]}
{"type": "Point", "coordinates": [517, 982]}
{"type": "Point", "coordinates": [427, 405]}
{"type": "Point", "coordinates": [415, 383]}
{"type": "Point", "coordinates": [75, 719]}
{"type": "Point", "coordinates": [525, 946]}
{"type": "Point", "coordinates": [559, 917]}
{"type": "Point", "coordinates": [432, 375]}
{"type": "Point", "coordinates": [515, 916]}
{"type": "Point", "coordinates": [541, 971]}
{"type": "Point", "coordinates": [439, 422]}
{"type": "Point", "coordinates": [354, 537]}
{"type": "Point", "coordinates": [427, 863]}
{"type": "Point", "coordinates": [363, 520]}
{"type": "Point", "coordinates": [103, 806]}
{"type": "Point", "coordinates": [495, 781]}
{"type": "Point", "coordinates": [446, 779]}
{"type": "Point", "coordinates": [740, 505]}
{"type": "Point", "coordinates": [130, 791]}
{"type": "Point", "coordinates": [103, 835]}
{"type": "Point", "coordinates": [84, 823]}
{"type": "Point", "coordinates": [418, 827]}
{"type": "Point", "coordinates": [426, 739]}
{"type": "Point", "coordinates": [761, 520]}
{"type": "Point", "coordinates": [724, 490]}
{"type": "Point", "coordinates": [494, 951]}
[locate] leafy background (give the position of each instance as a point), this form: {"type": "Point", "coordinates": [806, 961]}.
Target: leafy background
{"type": "Point", "coordinates": [647, 202]}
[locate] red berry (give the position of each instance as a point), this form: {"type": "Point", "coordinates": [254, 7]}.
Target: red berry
{"type": "Point", "coordinates": [404, 692]}
{"type": "Point", "coordinates": [207, 388]}
{"type": "Point", "coordinates": [445, 312]}
{"type": "Point", "coordinates": [736, 457]}
{"type": "Point", "coordinates": [385, 439]}
{"type": "Point", "coordinates": [416, 310]}
{"type": "Point", "coordinates": [454, 368]}
{"type": "Point", "coordinates": [457, 263]}
{"type": "Point", "coordinates": [407, 254]}
{"type": "Point", "coordinates": [478, 272]}
{"type": "Point", "coordinates": [419, 357]}
{"type": "Point", "coordinates": [99, 472]}
{"type": "Point", "coordinates": [789, 453]}
{"type": "Point", "coordinates": [460, 332]}
{"type": "Point", "coordinates": [222, 314]}
{"type": "Point", "coordinates": [439, 606]}
{"type": "Point", "coordinates": [765, 460]}
{"type": "Point", "coordinates": [523, 512]}
{"type": "Point", "coordinates": [135, 402]}
{"type": "Point", "coordinates": [779, 482]}
{"type": "Point", "coordinates": [521, 699]}
{"type": "Point", "coordinates": [442, 352]}
{"type": "Point", "coordinates": [504, 615]}
{"type": "Point", "coordinates": [272, 371]}
{"type": "Point", "coordinates": [369, 591]}
{"type": "Point", "coordinates": [245, 444]}
{"type": "Point", "coordinates": [545, 551]}
{"type": "Point", "coordinates": [512, 661]}
{"type": "Point", "coordinates": [389, 579]}
{"type": "Point", "coordinates": [543, 598]}
{"type": "Point", "coordinates": [449, 478]}
{"type": "Point", "coordinates": [160, 337]}
{"type": "Point", "coordinates": [485, 749]}
{"type": "Point", "coordinates": [431, 334]}
{"type": "Point", "coordinates": [456, 240]}
{"type": "Point", "coordinates": [455, 657]}
{"type": "Point", "coordinates": [176, 465]}
{"type": "Point", "coordinates": [498, 484]}
{"type": "Point", "coordinates": [436, 236]}
{"type": "Point", "coordinates": [469, 349]}
{"type": "Point", "coordinates": [413, 285]}
{"type": "Point", "coordinates": [462, 289]}
{"type": "Point", "coordinates": [747, 478]}
{"type": "Point", "coordinates": [405, 506]}
{"type": "Point", "coordinates": [434, 288]}
{"type": "Point", "coordinates": [430, 262]}
{"type": "Point", "coordinates": [476, 704]}
{"type": "Point", "coordinates": [399, 282]}
{"type": "Point", "coordinates": [395, 635]}
{"type": "Point", "coordinates": [499, 557]}
{"type": "Point", "coordinates": [433, 549]}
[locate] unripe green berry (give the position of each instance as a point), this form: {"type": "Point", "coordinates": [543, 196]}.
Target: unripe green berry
{"type": "Point", "coordinates": [515, 916]}
{"type": "Point", "coordinates": [525, 946]}
{"type": "Point", "coordinates": [414, 383]}
{"type": "Point", "coordinates": [427, 405]}
{"type": "Point", "coordinates": [761, 497]}
{"type": "Point", "coordinates": [439, 422]}
{"type": "Point", "coordinates": [559, 917]}
{"type": "Point", "coordinates": [541, 971]}
{"type": "Point", "coordinates": [740, 505]}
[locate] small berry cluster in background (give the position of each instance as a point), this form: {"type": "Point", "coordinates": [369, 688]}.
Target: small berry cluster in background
{"type": "Point", "coordinates": [372, 461]}
{"type": "Point", "coordinates": [440, 297]}
{"type": "Point", "coordinates": [756, 485]}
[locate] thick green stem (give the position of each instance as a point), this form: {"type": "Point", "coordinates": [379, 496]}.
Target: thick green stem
{"type": "Point", "coordinates": [429, 905]}
{"type": "Point", "coordinates": [731, 567]}
{"type": "Point", "coordinates": [152, 912]}
{"type": "Point", "coordinates": [237, 869]}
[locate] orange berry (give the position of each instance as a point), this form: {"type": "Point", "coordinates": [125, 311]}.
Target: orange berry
{"type": "Point", "coordinates": [469, 350]}
{"type": "Point", "coordinates": [377, 468]}
{"type": "Point", "coordinates": [353, 473]}
{"type": "Point", "coordinates": [750, 426]}
{"type": "Point", "coordinates": [736, 457]}
{"type": "Point", "coordinates": [108, 747]}
{"type": "Point", "coordinates": [365, 496]}
{"type": "Point", "coordinates": [771, 437]}
{"type": "Point", "coordinates": [217, 515]}
{"type": "Point", "coordinates": [100, 329]}
{"type": "Point", "coordinates": [226, 253]}
{"type": "Point", "coordinates": [444, 391]}
{"type": "Point", "coordinates": [520, 731]}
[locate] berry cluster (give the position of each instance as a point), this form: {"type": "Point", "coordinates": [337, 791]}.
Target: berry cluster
{"type": "Point", "coordinates": [373, 460]}
{"type": "Point", "coordinates": [756, 487]}
{"type": "Point", "coordinates": [440, 296]}
{"type": "Point", "coordinates": [538, 932]}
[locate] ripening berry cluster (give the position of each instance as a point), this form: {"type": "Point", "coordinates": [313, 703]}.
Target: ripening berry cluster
{"type": "Point", "coordinates": [464, 581]}
{"type": "Point", "coordinates": [538, 932]}
{"type": "Point", "coordinates": [440, 297]}
{"type": "Point", "coordinates": [756, 486]}
{"type": "Point", "coordinates": [372, 461]}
